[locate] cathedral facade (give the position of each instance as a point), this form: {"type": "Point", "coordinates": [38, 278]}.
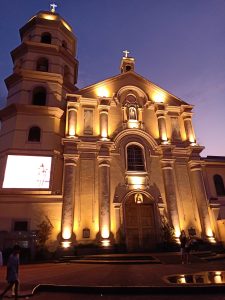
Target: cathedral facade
{"type": "Point", "coordinates": [108, 163]}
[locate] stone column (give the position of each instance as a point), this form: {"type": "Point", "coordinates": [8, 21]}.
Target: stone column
{"type": "Point", "coordinates": [104, 124]}
{"type": "Point", "coordinates": [189, 129]}
{"type": "Point", "coordinates": [71, 121]}
{"type": "Point", "coordinates": [104, 198]}
{"type": "Point", "coordinates": [162, 126]}
{"type": "Point", "coordinates": [200, 194]}
{"type": "Point", "coordinates": [117, 219]}
{"type": "Point", "coordinates": [70, 163]}
{"type": "Point", "coordinates": [140, 114]}
{"type": "Point", "coordinates": [124, 108]}
{"type": "Point", "coordinates": [171, 197]}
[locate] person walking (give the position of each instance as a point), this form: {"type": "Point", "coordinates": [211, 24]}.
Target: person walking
{"type": "Point", "coordinates": [12, 272]}
{"type": "Point", "coordinates": [183, 241]}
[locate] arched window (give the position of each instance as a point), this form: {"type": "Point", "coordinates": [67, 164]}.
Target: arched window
{"type": "Point", "coordinates": [219, 185]}
{"type": "Point", "coordinates": [66, 73]}
{"type": "Point", "coordinates": [34, 134]}
{"type": "Point", "coordinates": [39, 96]}
{"type": "Point", "coordinates": [135, 158]}
{"type": "Point", "coordinates": [64, 44]}
{"type": "Point", "coordinates": [42, 64]}
{"type": "Point", "coordinates": [128, 68]}
{"type": "Point", "coordinates": [46, 38]}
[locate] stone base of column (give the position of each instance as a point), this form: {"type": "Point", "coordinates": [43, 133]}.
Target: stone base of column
{"type": "Point", "coordinates": [105, 243]}
{"type": "Point", "coordinates": [67, 244]}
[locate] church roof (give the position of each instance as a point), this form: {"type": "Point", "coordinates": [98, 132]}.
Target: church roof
{"type": "Point", "coordinates": [130, 78]}
{"type": "Point", "coordinates": [48, 19]}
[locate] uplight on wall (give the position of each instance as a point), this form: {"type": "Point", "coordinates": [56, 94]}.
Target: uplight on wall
{"type": "Point", "coordinates": [192, 139]}
{"type": "Point", "coordinates": [105, 232]}
{"type": "Point", "coordinates": [212, 239]}
{"type": "Point", "coordinates": [102, 91]}
{"type": "Point", "coordinates": [177, 231]}
{"type": "Point", "coordinates": [72, 131]}
{"type": "Point", "coordinates": [66, 233]}
{"type": "Point", "coordinates": [72, 121]}
{"type": "Point", "coordinates": [66, 244]}
{"type": "Point", "coordinates": [104, 124]}
{"type": "Point", "coordinates": [182, 279]}
{"type": "Point", "coordinates": [218, 277]}
{"type": "Point", "coordinates": [49, 17]}
{"type": "Point", "coordinates": [210, 236]}
{"type": "Point", "coordinates": [105, 243]}
{"type": "Point", "coordinates": [158, 97]}
{"type": "Point", "coordinates": [133, 124]}
{"type": "Point", "coordinates": [164, 137]}
{"type": "Point", "coordinates": [137, 181]}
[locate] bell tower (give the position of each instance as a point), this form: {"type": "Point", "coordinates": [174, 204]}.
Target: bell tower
{"type": "Point", "coordinates": [45, 67]}
{"type": "Point", "coordinates": [127, 62]}
{"type": "Point", "coordinates": [44, 71]}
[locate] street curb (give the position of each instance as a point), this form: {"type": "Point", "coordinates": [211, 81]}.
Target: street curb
{"type": "Point", "coordinates": [137, 290]}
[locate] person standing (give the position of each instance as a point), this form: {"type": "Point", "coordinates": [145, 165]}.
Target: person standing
{"type": "Point", "coordinates": [183, 241]}
{"type": "Point", "coordinates": [12, 272]}
{"type": "Point", "coordinates": [1, 259]}
{"type": "Point", "coordinates": [188, 248]}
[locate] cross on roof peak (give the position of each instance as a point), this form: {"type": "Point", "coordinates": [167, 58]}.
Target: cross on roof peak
{"type": "Point", "coordinates": [53, 6]}
{"type": "Point", "coordinates": [126, 52]}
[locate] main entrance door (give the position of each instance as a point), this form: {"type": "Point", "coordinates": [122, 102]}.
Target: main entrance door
{"type": "Point", "coordinates": [139, 225]}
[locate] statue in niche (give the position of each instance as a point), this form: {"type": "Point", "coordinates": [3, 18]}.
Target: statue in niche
{"type": "Point", "coordinates": [132, 113]}
{"type": "Point", "coordinates": [138, 198]}
{"type": "Point", "coordinates": [88, 121]}
{"type": "Point", "coordinates": [175, 128]}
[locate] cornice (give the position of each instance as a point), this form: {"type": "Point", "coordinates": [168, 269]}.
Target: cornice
{"type": "Point", "coordinates": [15, 109]}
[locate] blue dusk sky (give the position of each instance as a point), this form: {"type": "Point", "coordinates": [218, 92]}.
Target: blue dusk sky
{"type": "Point", "coordinates": [177, 44]}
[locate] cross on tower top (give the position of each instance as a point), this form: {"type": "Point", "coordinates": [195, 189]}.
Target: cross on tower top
{"type": "Point", "coordinates": [126, 52]}
{"type": "Point", "coordinates": [53, 6]}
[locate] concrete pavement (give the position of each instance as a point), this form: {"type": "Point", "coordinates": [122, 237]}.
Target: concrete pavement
{"type": "Point", "coordinates": [117, 275]}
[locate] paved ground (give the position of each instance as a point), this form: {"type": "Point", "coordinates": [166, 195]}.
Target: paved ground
{"type": "Point", "coordinates": [50, 296]}
{"type": "Point", "coordinates": [115, 275]}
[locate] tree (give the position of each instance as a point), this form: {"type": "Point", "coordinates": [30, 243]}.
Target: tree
{"type": "Point", "coordinates": [168, 233]}
{"type": "Point", "coordinates": [44, 230]}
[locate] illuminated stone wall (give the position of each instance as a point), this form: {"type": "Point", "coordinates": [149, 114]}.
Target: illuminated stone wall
{"type": "Point", "coordinates": [86, 132]}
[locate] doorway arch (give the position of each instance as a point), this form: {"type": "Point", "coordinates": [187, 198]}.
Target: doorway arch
{"type": "Point", "coordinates": [140, 224]}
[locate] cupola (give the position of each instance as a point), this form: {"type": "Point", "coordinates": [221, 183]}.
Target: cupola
{"type": "Point", "coordinates": [127, 62]}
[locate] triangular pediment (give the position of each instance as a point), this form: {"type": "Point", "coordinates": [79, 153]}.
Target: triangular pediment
{"type": "Point", "coordinates": [114, 84]}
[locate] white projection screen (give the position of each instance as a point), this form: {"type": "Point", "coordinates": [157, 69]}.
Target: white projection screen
{"type": "Point", "coordinates": [28, 172]}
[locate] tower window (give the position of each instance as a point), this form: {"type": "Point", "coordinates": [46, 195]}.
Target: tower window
{"type": "Point", "coordinates": [39, 96]}
{"type": "Point", "coordinates": [42, 64]}
{"type": "Point", "coordinates": [46, 38]}
{"type": "Point", "coordinates": [34, 134]}
{"type": "Point", "coordinates": [128, 68]}
{"type": "Point", "coordinates": [66, 73]}
{"type": "Point", "coordinates": [135, 158]}
{"type": "Point", "coordinates": [64, 44]}
{"type": "Point", "coordinates": [219, 185]}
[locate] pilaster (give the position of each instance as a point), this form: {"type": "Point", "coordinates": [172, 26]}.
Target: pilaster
{"type": "Point", "coordinates": [103, 111]}
{"type": "Point", "coordinates": [161, 116]}
{"type": "Point", "coordinates": [200, 194]}
{"type": "Point", "coordinates": [71, 158]}
{"type": "Point", "coordinates": [171, 195]}
{"type": "Point", "coordinates": [104, 195]}
{"type": "Point", "coordinates": [187, 117]}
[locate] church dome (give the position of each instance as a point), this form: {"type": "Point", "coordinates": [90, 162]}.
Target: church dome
{"type": "Point", "coordinates": [46, 18]}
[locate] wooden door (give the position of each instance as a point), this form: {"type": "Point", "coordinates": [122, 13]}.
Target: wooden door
{"type": "Point", "coordinates": [139, 225]}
